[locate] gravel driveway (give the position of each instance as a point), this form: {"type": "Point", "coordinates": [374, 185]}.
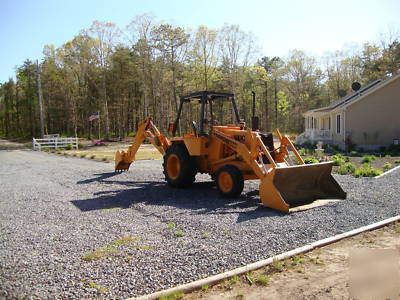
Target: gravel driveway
{"type": "Point", "coordinates": [57, 213]}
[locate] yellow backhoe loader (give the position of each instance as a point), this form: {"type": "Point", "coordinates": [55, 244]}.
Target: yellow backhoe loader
{"type": "Point", "coordinates": [232, 154]}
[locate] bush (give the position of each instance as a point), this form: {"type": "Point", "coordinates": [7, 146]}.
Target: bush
{"type": "Point", "coordinates": [69, 147]}
{"type": "Point", "coordinates": [83, 155]}
{"type": "Point", "coordinates": [93, 157]}
{"type": "Point", "coordinates": [310, 160]}
{"type": "Point", "coordinates": [354, 153]}
{"type": "Point", "coordinates": [368, 159]}
{"type": "Point", "coordinates": [302, 152]}
{"type": "Point", "coordinates": [309, 145]}
{"type": "Point", "coordinates": [80, 145]}
{"type": "Point", "coordinates": [366, 171]}
{"type": "Point", "coordinates": [397, 161]}
{"type": "Point", "coordinates": [394, 149]}
{"type": "Point", "coordinates": [338, 159]}
{"type": "Point", "coordinates": [387, 166]}
{"type": "Point", "coordinates": [388, 156]}
{"type": "Point", "coordinates": [346, 169]}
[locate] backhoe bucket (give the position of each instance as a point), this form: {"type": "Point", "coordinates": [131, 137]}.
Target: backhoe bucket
{"type": "Point", "coordinates": [122, 162]}
{"type": "Point", "coordinates": [287, 187]}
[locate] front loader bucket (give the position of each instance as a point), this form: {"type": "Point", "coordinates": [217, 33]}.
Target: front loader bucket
{"type": "Point", "coordinates": [286, 187]}
{"type": "Point", "coordinates": [122, 162]}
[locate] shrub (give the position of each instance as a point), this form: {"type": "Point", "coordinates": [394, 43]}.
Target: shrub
{"type": "Point", "coordinates": [302, 152]}
{"type": "Point", "coordinates": [104, 159]}
{"type": "Point", "coordinates": [310, 160]}
{"type": "Point", "coordinates": [366, 171]}
{"type": "Point", "coordinates": [394, 149]}
{"type": "Point", "coordinates": [354, 153]}
{"type": "Point", "coordinates": [338, 159]}
{"type": "Point", "coordinates": [387, 166]}
{"type": "Point", "coordinates": [368, 159]}
{"type": "Point", "coordinates": [93, 157]}
{"type": "Point", "coordinates": [69, 147]}
{"type": "Point", "coordinates": [309, 145]}
{"type": "Point", "coordinates": [397, 161]}
{"type": "Point", "coordinates": [83, 155]}
{"type": "Point", "coordinates": [388, 156]}
{"type": "Point", "coordinates": [80, 145]}
{"type": "Point", "coordinates": [346, 169]}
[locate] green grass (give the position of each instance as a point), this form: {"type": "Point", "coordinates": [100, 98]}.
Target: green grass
{"type": "Point", "coordinates": [205, 235]}
{"type": "Point", "coordinates": [387, 166]}
{"type": "Point", "coordinates": [277, 265]}
{"type": "Point", "coordinates": [99, 253]}
{"type": "Point", "coordinates": [397, 228]}
{"type": "Point", "coordinates": [171, 225]}
{"type": "Point", "coordinates": [179, 233]}
{"type": "Point", "coordinates": [124, 240]}
{"type": "Point", "coordinates": [205, 287]}
{"type": "Point", "coordinates": [263, 279]}
{"type": "Point", "coordinates": [144, 247]}
{"type": "Point", "coordinates": [297, 259]}
{"type": "Point", "coordinates": [234, 279]}
{"type": "Point", "coordinates": [346, 168]}
{"type": "Point", "coordinates": [174, 296]}
{"type": "Point", "coordinates": [98, 287]}
{"type": "Point", "coordinates": [397, 161]}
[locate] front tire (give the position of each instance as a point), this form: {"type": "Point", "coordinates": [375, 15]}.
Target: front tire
{"type": "Point", "coordinates": [179, 166]}
{"type": "Point", "coordinates": [230, 181]}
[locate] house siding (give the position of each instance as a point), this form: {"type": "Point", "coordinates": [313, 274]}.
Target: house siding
{"type": "Point", "coordinates": [375, 120]}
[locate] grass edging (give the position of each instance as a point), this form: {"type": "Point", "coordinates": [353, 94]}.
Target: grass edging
{"type": "Point", "coordinates": [387, 172]}
{"type": "Point", "coordinates": [262, 263]}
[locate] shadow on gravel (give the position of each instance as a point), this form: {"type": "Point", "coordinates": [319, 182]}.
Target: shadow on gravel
{"type": "Point", "coordinates": [200, 198]}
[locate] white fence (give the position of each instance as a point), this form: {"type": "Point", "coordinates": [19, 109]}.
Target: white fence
{"type": "Point", "coordinates": [54, 142]}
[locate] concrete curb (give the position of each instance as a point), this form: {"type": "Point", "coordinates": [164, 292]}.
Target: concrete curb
{"type": "Point", "coordinates": [257, 265]}
{"type": "Point", "coordinates": [387, 172]}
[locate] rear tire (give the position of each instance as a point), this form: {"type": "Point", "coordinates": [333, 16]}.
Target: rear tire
{"type": "Point", "coordinates": [179, 166]}
{"type": "Point", "coordinates": [230, 181]}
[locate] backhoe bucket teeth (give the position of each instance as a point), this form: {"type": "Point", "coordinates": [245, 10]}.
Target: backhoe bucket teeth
{"type": "Point", "coordinates": [122, 162]}
{"type": "Point", "coordinates": [287, 187]}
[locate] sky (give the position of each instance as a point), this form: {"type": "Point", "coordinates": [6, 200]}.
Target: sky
{"type": "Point", "coordinates": [315, 26]}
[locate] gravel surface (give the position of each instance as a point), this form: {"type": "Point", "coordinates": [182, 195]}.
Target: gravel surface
{"type": "Point", "coordinates": [57, 211]}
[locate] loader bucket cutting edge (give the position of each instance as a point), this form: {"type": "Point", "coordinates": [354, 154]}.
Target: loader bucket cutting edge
{"type": "Point", "coordinates": [121, 162]}
{"type": "Point", "coordinates": [287, 187]}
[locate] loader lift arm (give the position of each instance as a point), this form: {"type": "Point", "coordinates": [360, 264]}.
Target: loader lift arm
{"type": "Point", "coordinates": [146, 129]}
{"type": "Point", "coordinates": [282, 185]}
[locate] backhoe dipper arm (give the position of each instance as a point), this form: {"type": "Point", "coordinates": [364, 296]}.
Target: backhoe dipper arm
{"type": "Point", "coordinates": [123, 159]}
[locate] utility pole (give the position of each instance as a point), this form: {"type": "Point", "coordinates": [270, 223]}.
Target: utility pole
{"type": "Point", "coordinates": [40, 97]}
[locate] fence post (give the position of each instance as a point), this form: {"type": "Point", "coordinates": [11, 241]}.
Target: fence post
{"type": "Point", "coordinates": [33, 143]}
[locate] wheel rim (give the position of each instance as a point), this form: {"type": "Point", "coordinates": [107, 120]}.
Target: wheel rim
{"type": "Point", "coordinates": [173, 166]}
{"type": "Point", "coordinates": [225, 182]}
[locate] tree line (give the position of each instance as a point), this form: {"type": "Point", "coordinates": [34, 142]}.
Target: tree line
{"type": "Point", "coordinates": [140, 71]}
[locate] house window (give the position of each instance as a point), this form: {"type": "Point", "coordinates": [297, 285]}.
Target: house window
{"type": "Point", "coordinates": [338, 124]}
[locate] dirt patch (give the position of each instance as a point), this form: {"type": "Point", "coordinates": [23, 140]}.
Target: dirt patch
{"type": "Point", "coordinates": [11, 145]}
{"type": "Point", "coordinates": [320, 274]}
